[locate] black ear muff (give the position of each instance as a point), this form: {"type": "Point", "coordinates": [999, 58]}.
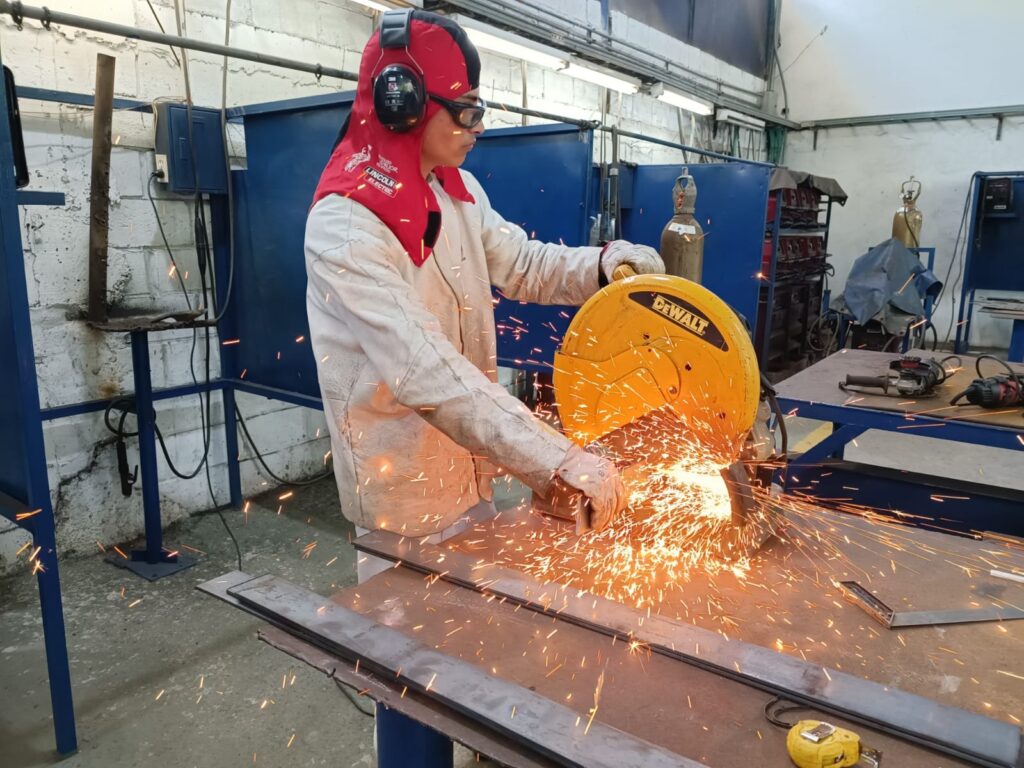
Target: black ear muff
{"type": "Point", "coordinates": [399, 97]}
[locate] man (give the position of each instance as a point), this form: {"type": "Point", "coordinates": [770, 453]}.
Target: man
{"type": "Point", "coordinates": [401, 251]}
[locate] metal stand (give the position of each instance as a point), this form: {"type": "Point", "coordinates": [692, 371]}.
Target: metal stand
{"type": "Point", "coordinates": [404, 743]}
{"type": "Point", "coordinates": [153, 562]}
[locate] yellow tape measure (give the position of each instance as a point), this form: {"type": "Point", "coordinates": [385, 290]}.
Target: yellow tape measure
{"type": "Point", "coordinates": [817, 744]}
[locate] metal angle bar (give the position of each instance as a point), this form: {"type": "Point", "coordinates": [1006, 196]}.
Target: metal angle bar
{"type": "Point", "coordinates": [553, 729]}
{"type": "Point", "coordinates": [958, 430]}
{"type": "Point", "coordinates": [880, 611]}
{"type": "Point", "coordinates": [684, 147]}
{"type": "Point", "coordinates": [33, 197]}
{"type": "Point", "coordinates": [19, 11]}
{"type": "Point", "coordinates": [914, 117]}
{"type": "Point", "coordinates": [915, 718]}
{"type": "Point", "coordinates": [80, 99]}
{"type": "Point", "coordinates": [92, 406]}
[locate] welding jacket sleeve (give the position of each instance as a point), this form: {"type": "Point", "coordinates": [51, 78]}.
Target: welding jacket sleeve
{"type": "Point", "coordinates": [368, 303]}
{"type": "Point", "coordinates": [530, 270]}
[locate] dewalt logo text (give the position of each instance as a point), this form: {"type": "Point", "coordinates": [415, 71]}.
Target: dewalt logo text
{"type": "Point", "coordinates": [677, 314]}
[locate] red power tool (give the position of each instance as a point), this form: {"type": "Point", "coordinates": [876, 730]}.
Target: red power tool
{"type": "Point", "coordinates": [1002, 391]}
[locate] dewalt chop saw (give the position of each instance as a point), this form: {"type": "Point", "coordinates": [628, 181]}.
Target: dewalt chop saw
{"type": "Point", "coordinates": [654, 362]}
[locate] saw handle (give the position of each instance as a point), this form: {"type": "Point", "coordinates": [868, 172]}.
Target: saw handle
{"type": "Point", "coordinates": [623, 271]}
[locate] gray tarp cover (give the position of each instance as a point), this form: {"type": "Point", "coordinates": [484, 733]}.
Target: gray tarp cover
{"type": "Point", "coordinates": [888, 284]}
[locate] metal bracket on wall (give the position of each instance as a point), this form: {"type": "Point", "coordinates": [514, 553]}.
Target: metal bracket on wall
{"type": "Point", "coordinates": [891, 619]}
{"type": "Point", "coordinates": [952, 731]}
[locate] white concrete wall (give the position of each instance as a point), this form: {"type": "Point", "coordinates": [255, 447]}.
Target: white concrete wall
{"type": "Point", "coordinates": [844, 59]}
{"type": "Point", "coordinates": [76, 363]}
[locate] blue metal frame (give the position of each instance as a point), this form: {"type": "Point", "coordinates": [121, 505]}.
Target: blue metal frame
{"type": "Point", "coordinates": [998, 267]}
{"type": "Point", "coordinates": [821, 471]}
{"type": "Point", "coordinates": [24, 485]}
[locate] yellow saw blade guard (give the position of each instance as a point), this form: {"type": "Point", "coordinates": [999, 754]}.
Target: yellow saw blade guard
{"type": "Point", "coordinates": [650, 341]}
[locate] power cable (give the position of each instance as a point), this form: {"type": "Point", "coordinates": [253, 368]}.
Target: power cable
{"type": "Point", "coordinates": [163, 236]}
{"type": "Point", "coordinates": [262, 461]}
{"type": "Point", "coordinates": [357, 701]}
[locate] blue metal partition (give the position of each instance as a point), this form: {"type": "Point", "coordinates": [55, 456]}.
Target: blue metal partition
{"type": "Point", "coordinates": [539, 177]}
{"type": "Point", "coordinates": [732, 199]}
{"type": "Point", "coordinates": [265, 331]}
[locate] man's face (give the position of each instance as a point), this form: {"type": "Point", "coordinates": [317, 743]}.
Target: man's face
{"type": "Point", "coordinates": [445, 143]}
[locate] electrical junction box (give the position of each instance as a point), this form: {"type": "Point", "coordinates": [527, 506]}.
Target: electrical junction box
{"type": "Point", "coordinates": [174, 155]}
{"type": "Point", "coordinates": [998, 195]}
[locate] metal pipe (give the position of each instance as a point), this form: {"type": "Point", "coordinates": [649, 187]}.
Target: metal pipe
{"type": "Point", "coordinates": [19, 11]}
{"type": "Point", "coordinates": [684, 147]}
{"type": "Point", "coordinates": [589, 124]}
{"type": "Point", "coordinates": [581, 43]}
{"type": "Point", "coordinates": [589, 32]}
{"type": "Point", "coordinates": [1016, 110]}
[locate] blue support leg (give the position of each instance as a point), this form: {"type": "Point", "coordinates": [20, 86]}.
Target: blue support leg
{"type": "Point", "coordinates": [231, 444]}
{"type": "Point", "coordinates": [1016, 354]}
{"type": "Point", "coordinates": [404, 743]}
{"type": "Point", "coordinates": [54, 639]}
{"type": "Point", "coordinates": [153, 562]}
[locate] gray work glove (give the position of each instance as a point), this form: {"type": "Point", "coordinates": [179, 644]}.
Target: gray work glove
{"type": "Point", "coordinates": [600, 482]}
{"type": "Point", "coordinates": [642, 258]}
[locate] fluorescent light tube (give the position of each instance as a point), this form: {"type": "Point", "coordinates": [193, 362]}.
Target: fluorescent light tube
{"type": "Point", "coordinates": [738, 118]}
{"type": "Point", "coordinates": [373, 5]}
{"type": "Point", "coordinates": [597, 77]}
{"type": "Point", "coordinates": [681, 100]}
{"type": "Point", "coordinates": [495, 44]}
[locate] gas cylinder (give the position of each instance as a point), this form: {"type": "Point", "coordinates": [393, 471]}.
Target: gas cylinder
{"type": "Point", "coordinates": [907, 221]}
{"type": "Point", "coordinates": [682, 239]}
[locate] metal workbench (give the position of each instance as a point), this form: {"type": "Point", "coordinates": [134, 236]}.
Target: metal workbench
{"type": "Point", "coordinates": [787, 603]}
{"type": "Point", "coordinates": [822, 472]}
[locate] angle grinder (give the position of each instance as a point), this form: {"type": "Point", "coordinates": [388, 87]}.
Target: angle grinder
{"type": "Point", "coordinates": [1001, 391]}
{"type": "Point", "coordinates": [907, 377]}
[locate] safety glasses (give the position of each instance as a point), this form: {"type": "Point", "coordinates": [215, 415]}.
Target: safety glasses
{"type": "Point", "coordinates": [465, 115]}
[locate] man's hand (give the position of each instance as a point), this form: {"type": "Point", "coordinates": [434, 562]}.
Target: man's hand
{"type": "Point", "coordinates": [600, 482]}
{"type": "Point", "coordinates": [642, 258]}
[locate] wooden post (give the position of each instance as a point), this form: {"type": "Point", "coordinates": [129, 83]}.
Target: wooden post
{"type": "Point", "coordinates": [99, 195]}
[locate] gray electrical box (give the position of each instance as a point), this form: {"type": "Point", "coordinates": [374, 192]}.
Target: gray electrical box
{"type": "Point", "coordinates": [180, 159]}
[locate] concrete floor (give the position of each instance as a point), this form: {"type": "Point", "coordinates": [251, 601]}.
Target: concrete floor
{"type": "Point", "coordinates": [164, 674]}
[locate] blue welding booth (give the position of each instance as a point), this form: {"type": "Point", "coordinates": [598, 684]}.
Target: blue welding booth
{"type": "Point", "coordinates": [540, 177]}
{"type": "Point", "coordinates": [994, 251]}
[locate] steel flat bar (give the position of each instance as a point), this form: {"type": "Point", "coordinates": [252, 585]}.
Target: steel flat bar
{"type": "Point", "coordinates": [555, 731]}
{"type": "Point", "coordinates": [949, 730]}
{"type": "Point", "coordinates": [964, 616]}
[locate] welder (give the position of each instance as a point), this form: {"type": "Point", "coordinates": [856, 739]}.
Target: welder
{"type": "Point", "coordinates": [402, 249]}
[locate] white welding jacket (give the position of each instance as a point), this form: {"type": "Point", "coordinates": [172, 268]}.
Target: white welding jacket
{"type": "Point", "coordinates": [407, 358]}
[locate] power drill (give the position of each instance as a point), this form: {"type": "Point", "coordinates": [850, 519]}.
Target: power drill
{"type": "Point", "coordinates": [1001, 391]}
{"type": "Point", "coordinates": [908, 377]}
